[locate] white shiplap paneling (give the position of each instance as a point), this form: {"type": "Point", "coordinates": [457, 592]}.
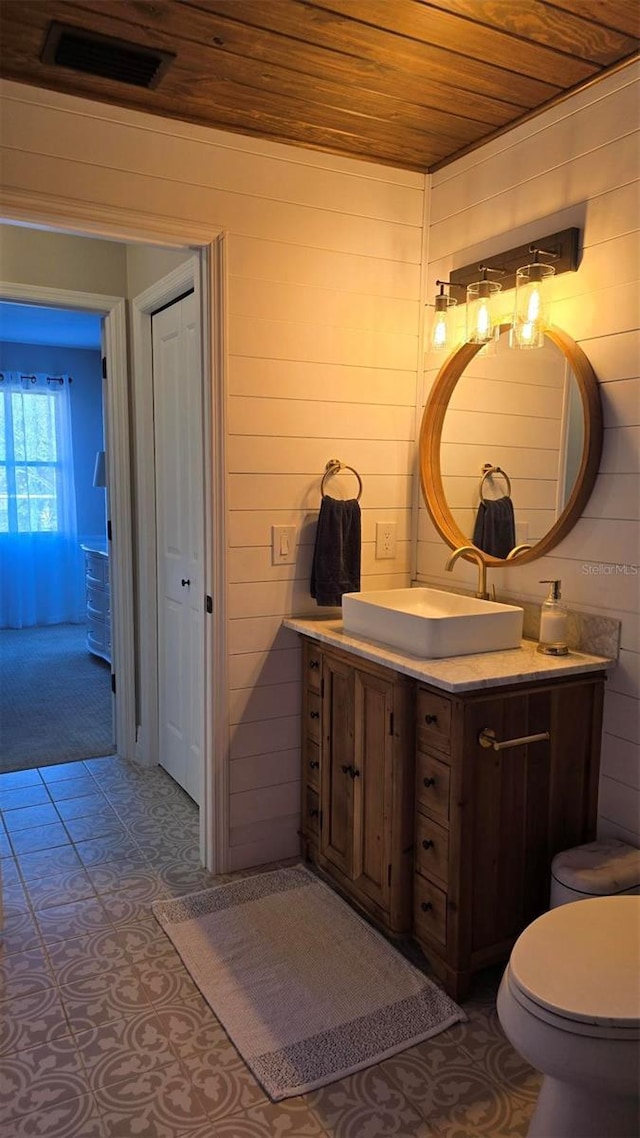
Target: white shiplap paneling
{"type": "Point", "coordinates": [574, 165]}
{"type": "Point", "coordinates": [324, 274]}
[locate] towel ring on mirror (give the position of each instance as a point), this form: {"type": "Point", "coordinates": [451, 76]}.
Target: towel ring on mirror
{"type": "Point", "coordinates": [334, 466]}
{"type": "Point", "coordinates": [488, 471]}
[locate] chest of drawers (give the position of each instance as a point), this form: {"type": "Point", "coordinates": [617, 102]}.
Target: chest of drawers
{"type": "Point", "coordinates": [98, 602]}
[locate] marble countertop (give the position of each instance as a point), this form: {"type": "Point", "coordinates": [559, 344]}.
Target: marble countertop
{"type": "Point", "coordinates": [459, 673]}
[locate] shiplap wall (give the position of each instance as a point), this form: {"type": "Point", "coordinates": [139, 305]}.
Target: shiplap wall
{"type": "Point", "coordinates": [324, 260]}
{"type": "Point", "coordinates": [575, 165]}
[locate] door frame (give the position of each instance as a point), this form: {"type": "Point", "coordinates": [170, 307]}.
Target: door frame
{"type": "Point", "coordinates": [85, 219]}
{"type": "Point", "coordinates": [193, 274]}
{"type": "Point", "coordinates": [112, 308]}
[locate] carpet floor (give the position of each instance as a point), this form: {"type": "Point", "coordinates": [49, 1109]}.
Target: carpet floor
{"type": "Point", "coordinates": [55, 698]}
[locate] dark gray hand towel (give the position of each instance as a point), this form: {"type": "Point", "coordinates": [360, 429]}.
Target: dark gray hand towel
{"type": "Point", "coordinates": [336, 556]}
{"type": "Point", "coordinates": [495, 529]}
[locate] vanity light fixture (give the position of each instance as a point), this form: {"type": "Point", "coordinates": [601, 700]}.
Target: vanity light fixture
{"type": "Point", "coordinates": [531, 313]}
{"type": "Point", "coordinates": [561, 247]}
{"type": "Point", "coordinates": [481, 321]}
{"type": "Point", "coordinates": [442, 330]}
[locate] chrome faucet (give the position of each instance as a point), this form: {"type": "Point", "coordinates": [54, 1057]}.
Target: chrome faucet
{"type": "Point", "coordinates": [475, 555]}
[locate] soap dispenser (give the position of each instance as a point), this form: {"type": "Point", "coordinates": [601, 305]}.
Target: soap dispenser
{"type": "Point", "coordinates": [553, 623]}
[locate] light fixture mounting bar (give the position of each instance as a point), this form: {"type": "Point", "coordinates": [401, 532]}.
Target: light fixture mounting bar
{"type": "Point", "coordinates": [565, 246]}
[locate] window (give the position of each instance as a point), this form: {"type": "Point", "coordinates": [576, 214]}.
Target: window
{"type": "Point", "coordinates": [31, 469]}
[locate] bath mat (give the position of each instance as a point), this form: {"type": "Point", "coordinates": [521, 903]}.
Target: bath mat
{"type": "Point", "coordinates": [307, 991]}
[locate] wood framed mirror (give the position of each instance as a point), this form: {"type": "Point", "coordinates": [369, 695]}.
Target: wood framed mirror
{"type": "Point", "coordinates": [534, 414]}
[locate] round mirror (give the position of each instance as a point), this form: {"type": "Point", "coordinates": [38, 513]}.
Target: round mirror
{"type": "Point", "coordinates": [510, 446]}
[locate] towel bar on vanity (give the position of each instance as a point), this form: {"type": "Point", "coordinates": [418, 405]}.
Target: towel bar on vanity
{"type": "Point", "coordinates": [487, 738]}
{"type": "Point", "coordinates": [334, 466]}
{"type": "Point", "coordinates": [487, 471]}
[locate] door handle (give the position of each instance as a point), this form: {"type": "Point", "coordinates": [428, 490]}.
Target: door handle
{"type": "Point", "coordinates": [185, 581]}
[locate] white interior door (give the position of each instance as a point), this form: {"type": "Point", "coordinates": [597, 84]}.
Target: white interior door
{"type": "Point", "coordinates": [178, 424]}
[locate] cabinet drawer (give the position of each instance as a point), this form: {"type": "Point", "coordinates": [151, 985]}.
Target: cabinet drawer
{"type": "Point", "coordinates": [429, 910]}
{"type": "Point", "coordinates": [311, 820]}
{"type": "Point", "coordinates": [312, 764]}
{"type": "Point", "coordinates": [98, 600]}
{"type": "Point", "coordinates": [433, 721]}
{"type": "Point", "coordinates": [98, 636]}
{"type": "Point", "coordinates": [313, 668]}
{"type": "Point", "coordinates": [314, 716]}
{"type": "Point", "coordinates": [432, 849]}
{"type": "Point", "coordinates": [97, 568]}
{"type": "Point", "coordinates": [432, 785]}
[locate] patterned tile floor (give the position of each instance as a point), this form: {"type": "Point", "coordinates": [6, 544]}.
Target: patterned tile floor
{"type": "Point", "coordinates": [104, 1035]}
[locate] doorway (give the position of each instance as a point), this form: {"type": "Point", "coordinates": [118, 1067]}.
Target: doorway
{"type": "Point", "coordinates": [55, 676]}
{"type": "Point", "coordinates": [134, 728]}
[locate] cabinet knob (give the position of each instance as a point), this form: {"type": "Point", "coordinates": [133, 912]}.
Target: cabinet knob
{"type": "Point", "coordinates": [314, 764]}
{"type": "Point", "coordinates": [427, 844]}
{"type": "Point", "coordinates": [314, 663]}
{"type": "Point", "coordinates": [426, 906]}
{"type": "Point", "coordinates": [429, 719]}
{"type": "Point", "coordinates": [429, 782]}
{"type": "Point", "coordinates": [314, 715]}
{"type": "Point", "coordinates": [346, 769]}
{"type": "Point", "coordinates": [314, 813]}
{"type": "Point", "coordinates": [185, 581]}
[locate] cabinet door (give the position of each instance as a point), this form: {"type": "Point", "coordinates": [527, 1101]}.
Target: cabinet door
{"type": "Point", "coordinates": [372, 787]}
{"type": "Point", "coordinates": [337, 765]}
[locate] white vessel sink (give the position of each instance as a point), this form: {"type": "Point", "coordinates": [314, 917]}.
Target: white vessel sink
{"type": "Point", "coordinates": [431, 623]}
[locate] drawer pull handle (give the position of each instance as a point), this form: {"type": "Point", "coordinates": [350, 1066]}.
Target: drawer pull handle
{"type": "Point", "coordinates": [314, 663]}
{"type": "Point", "coordinates": [487, 738]}
{"type": "Point", "coordinates": [314, 714]}
{"type": "Point", "coordinates": [185, 581]}
{"type": "Point", "coordinates": [353, 771]}
{"type": "Point", "coordinates": [426, 906]}
{"type": "Point", "coordinates": [314, 764]}
{"type": "Point", "coordinates": [427, 844]}
{"type": "Point", "coordinates": [429, 782]}
{"type": "Point", "coordinates": [429, 719]}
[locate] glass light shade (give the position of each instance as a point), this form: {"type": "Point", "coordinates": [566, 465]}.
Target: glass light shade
{"type": "Point", "coordinates": [481, 320]}
{"type": "Point", "coordinates": [531, 313]}
{"type": "Point", "coordinates": [442, 328]}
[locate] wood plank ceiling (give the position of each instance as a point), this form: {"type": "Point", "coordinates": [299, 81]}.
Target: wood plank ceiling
{"type": "Point", "coordinates": [410, 83]}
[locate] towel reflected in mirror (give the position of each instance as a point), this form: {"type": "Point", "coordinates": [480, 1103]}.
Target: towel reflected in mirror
{"type": "Point", "coordinates": [495, 527]}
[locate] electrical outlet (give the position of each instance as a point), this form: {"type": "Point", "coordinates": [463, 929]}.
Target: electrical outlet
{"type": "Point", "coordinates": [386, 539]}
{"type": "Point", "coordinates": [283, 545]}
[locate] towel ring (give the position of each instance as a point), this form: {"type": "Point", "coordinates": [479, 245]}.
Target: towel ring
{"type": "Point", "coordinates": [488, 471]}
{"type": "Point", "coordinates": [334, 466]}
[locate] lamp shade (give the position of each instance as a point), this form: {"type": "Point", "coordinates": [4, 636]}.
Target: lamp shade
{"type": "Point", "coordinates": [442, 330]}
{"type": "Point", "coordinates": [100, 471]}
{"type": "Point", "coordinates": [531, 315]}
{"type": "Point", "coordinates": [481, 320]}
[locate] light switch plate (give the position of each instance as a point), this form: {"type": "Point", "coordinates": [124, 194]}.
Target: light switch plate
{"type": "Point", "coordinates": [283, 545]}
{"type": "Point", "coordinates": [386, 539]}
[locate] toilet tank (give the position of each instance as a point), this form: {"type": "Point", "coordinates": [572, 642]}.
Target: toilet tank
{"type": "Point", "coordinates": [598, 869]}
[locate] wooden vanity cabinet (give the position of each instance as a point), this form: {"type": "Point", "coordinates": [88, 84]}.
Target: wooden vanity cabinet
{"type": "Point", "coordinates": [488, 822]}
{"type": "Point", "coordinates": [357, 792]}
{"type": "Point", "coordinates": [425, 828]}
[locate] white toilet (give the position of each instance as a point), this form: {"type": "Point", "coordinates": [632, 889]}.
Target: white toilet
{"type": "Point", "coordinates": [569, 1003]}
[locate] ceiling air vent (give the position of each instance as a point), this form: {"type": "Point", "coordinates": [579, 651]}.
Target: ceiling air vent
{"type": "Point", "coordinates": [110, 58]}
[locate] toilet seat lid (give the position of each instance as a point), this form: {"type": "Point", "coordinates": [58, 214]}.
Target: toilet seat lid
{"type": "Point", "coordinates": [581, 961]}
